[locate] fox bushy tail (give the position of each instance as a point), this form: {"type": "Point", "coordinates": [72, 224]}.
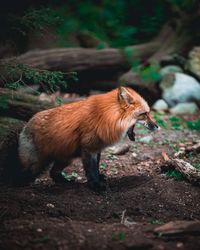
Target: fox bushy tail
{"type": "Point", "coordinates": [10, 167]}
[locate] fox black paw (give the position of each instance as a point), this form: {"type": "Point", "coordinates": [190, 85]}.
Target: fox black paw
{"type": "Point", "coordinates": [98, 186]}
{"type": "Point", "coordinates": [102, 178]}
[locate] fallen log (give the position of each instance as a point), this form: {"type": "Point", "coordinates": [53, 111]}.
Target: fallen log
{"type": "Point", "coordinates": [23, 106]}
{"type": "Point", "coordinates": [188, 171]}
{"type": "Point", "coordinates": [20, 105]}
{"type": "Point", "coordinates": [81, 59]}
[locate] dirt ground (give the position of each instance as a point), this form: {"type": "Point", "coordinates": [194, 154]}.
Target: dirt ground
{"type": "Point", "coordinates": [49, 216]}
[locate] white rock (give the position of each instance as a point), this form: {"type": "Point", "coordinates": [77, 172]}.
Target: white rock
{"type": "Point", "coordinates": [194, 61]}
{"type": "Point", "coordinates": [50, 205]}
{"type": "Point", "coordinates": [134, 154]}
{"type": "Point", "coordinates": [160, 105]}
{"type": "Point", "coordinates": [185, 108]}
{"type": "Point", "coordinates": [170, 69]}
{"type": "Point", "coordinates": [119, 149]}
{"type": "Point", "coordinates": [179, 88]}
{"type": "Point", "coordinates": [146, 139]}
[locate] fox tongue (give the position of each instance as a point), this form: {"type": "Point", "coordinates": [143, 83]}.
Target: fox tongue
{"type": "Point", "coordinates": [131, 134]}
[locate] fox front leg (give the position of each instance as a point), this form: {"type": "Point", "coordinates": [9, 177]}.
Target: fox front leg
{"type": "Point", "coordinates": [96, 181]}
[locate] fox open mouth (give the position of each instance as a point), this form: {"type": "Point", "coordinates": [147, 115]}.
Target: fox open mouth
{"type": "Point", "coordinates": [131, 134]}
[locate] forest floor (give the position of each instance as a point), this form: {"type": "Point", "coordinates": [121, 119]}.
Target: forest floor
{"type": "Point", "coordinates": [139, 198]}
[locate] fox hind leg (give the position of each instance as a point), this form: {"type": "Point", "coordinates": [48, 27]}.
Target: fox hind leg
{"type": "Point", "coordinates": [32, 162]}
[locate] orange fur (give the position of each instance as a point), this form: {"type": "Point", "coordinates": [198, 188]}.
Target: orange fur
{"type": "Point", "coordinates": [93, 123]}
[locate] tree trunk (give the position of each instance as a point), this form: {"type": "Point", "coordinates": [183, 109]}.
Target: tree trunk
{"type": "Point", "coordinates": [21, 106]}
{"type": "Point", "coordinates": [80, 59]}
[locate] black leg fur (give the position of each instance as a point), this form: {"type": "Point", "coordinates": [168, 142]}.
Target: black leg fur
{"type": "Point", "coordinates": [96, 181]}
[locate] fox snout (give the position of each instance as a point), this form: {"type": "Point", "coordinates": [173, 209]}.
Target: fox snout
{"type": "Point", "coordinates": [152, 126]}
{"type": "Point", "coordinates": [149, 123]}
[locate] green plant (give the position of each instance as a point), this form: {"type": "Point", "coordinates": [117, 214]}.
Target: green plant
{"type": "Point", "coordinates": [194, 125]}
{"type": "Point", "coordinates": [150, 73]}
{"type": "Point", "coordinates": [196, 165]}
{"type": "Point", "coordinates": [119, 236]}
{"type": "Point", "coordinates": [15, 75]}
{"type": "Point", "coordinates": [175, 174]}
{"type": "Point", "coordinates": [160, 120]}
{"type": "Point", "coordinates": [176, 122]}
{"type": "Point", "coordinates": [156, 222]}
{"type": "Point", "coordinates": [70, 177]}
{"type": "Point", "coordinates": [103, 165]}
{"type": "Point", "coordinates": [34, 19]}
{"type": "Point", "coordinates": [42, 239]}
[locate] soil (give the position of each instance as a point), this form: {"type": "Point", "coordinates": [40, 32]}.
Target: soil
{"type": "Point", "coordinates": [139, 198]}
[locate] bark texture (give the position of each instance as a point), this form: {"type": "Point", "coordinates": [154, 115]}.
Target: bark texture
{"type": "Point", "coordinates": [188, 171]}
{"type": "Point", "coordinates": [20, 105]}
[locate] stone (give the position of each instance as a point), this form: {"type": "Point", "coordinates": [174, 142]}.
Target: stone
{"type": "Point", "coordinates": [170, 69]}
{"type": "Point", "coordinates": [160, 105]}
{"type": "Point", "coordinates": [194, 61]}
{"type": "Point", "coordinates": [146, 139]}
{"type": "Point", "coordinates": [185, 108]}
{"type": "Point", "coordinates": [119, 149]}
{"type": "Point", "coordinates": [179, 88]}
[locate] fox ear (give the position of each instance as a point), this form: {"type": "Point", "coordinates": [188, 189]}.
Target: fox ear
{"type": "Point", "coordinates": [124, 96]}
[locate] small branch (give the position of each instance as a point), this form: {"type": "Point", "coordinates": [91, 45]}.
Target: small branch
{"type": "Point", "coordinates": [194, 149]}
{"type": "Point", "coordinates": [178, 227]}
{"type": "Point", "coordinates": [126, 221]}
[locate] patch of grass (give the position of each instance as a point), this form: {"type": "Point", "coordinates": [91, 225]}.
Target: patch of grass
{"type": "Point", "coordinates": [103, 165]}
{"type": "Point", "coordinates": [119, 236]}
{"type": "Point", "coordinates": [70, 177]}
{"type": "Point", "coordinates": [196, 165]}
{"type": "Point", "coordinates": [111, 157]}
{"type": "Point", "coordinates": [176, 123]}
{"type": "Point", "coordinates": [41, 239]}
{"type": "Point", "coordinates": [156, 222]}
{"type": "Point", "coordinates": [159, 120]}
{"type": "Point", "coordinates": [194, 125]}
{"type": "Point", "coordinates": [175, 174]}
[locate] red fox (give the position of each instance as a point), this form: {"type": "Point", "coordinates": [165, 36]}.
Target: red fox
{"type": "Point", "coordinates": [80, 129]}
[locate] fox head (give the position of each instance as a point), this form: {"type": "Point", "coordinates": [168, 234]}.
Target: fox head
{"type": "Point", "coordinates": [135, 109]}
